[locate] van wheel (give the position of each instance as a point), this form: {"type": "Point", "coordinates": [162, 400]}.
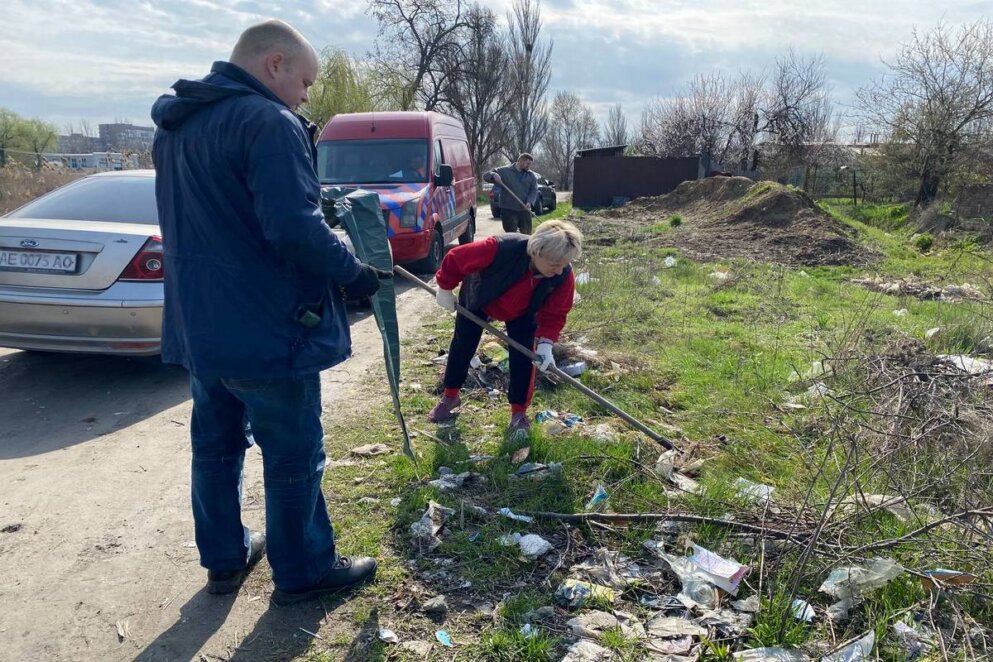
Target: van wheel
{"type": "Point", "coordinates": [436, 252]}
{"type": "Point", "coordinates": [470, 230]}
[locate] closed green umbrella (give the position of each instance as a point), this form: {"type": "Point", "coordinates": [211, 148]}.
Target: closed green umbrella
{"type": "Point", "coordinates": [359, 213]}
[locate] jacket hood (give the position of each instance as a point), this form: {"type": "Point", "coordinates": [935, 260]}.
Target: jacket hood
{"type": "Point", "coordinates": [224, 81]}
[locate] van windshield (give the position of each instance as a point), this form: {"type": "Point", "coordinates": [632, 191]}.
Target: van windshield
{"type": "Point", "coordinates": [372, 161]}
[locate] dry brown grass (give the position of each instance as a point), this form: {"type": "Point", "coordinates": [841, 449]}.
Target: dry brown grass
{"type": "Point", "coordinates": [19, 184]}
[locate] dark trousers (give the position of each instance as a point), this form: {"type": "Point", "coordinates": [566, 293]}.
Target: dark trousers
{"type": "Point", "coordinates": [515, 220]}
{"type": "Point", "coordinates": [465, 341]}
{"type": "Point", "coordinates": [285, 418]}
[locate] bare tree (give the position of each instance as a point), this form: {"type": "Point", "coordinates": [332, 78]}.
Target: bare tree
{"type": "Point", "coordinates": [415, 38]}
{"type": "Point", "coordinates": [615, 130]}
{"type": "Point", "coordinates": [936, 98]}
{"type": "Point", "coordinates": [572, 126]}
{"type": "Point", "coordinates": [794, 105]}
{"type": "Point", "coordinates": [478, 87]}
{"type": "Point", "coordinates": [530, 72]}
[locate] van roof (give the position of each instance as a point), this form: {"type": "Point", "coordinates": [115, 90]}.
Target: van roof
{"type": "Point", "coordinates": [394, 124]}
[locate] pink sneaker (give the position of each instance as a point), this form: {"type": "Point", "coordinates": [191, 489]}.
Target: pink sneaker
{"type": "Point", "coordinates": [443, 410]}
{"type": "Point", "coordinates": [520, 425]}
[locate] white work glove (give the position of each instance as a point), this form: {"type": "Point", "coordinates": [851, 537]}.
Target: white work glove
{"type": "Point", "coordinates": [445, 299]}
{"type": "Point", "coordinates": [544, 352]}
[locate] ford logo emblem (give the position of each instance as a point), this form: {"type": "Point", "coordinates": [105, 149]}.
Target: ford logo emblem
{"type": "Point", "coordinates": [29, 243]}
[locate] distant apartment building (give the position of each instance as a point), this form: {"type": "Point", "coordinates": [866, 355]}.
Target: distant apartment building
{"type": "Point", "coordinates": [126, 137]}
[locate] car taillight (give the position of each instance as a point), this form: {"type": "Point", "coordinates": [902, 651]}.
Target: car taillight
{"type": "Point", "coordinates": [147, 264]}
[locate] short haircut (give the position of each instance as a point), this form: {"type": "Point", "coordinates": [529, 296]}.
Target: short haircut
{"type": "Point", "coordinates": [556, 241]}
{"type": "Point", "coordinates": [272, 36]}
{"type": "Point", "coordinates": [525, 155]}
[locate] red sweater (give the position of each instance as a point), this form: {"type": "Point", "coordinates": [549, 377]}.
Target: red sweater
{"type": "Point", "coordinates": [472, 258]}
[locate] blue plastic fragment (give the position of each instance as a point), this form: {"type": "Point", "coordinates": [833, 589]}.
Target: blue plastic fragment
{"type": "Point", "coordinates": [444, 638]}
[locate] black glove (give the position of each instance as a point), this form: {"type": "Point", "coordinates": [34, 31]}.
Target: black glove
{"type": "Point", "coordinates": [366, 284]}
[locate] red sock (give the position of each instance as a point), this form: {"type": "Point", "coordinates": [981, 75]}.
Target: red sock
{"type": "Point", "coordinates": [518, 409]}
{"type": "Point", "coordinates": [452, 392]}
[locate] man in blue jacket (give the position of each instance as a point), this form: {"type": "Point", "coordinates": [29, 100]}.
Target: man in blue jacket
{"type": "Point", "coordinates": [254, 307]}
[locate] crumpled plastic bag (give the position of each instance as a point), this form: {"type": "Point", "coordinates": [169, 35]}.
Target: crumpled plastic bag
{"type": "Point", "coordinates": [425, 530]}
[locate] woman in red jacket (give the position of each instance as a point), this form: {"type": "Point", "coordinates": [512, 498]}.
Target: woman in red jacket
{"type": "Point", "coordinates": [525, 281]}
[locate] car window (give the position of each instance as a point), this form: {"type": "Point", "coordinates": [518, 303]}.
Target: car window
{"type": "Point", "coordinates": [108, 199]}
{"type": "Point", "coordinates": [372, 161]}
{"type": "Point", "coordinates": [439, 157]}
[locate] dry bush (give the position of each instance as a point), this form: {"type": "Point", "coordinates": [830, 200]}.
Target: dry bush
{"type": "Point", "coordinates": [19, 184]}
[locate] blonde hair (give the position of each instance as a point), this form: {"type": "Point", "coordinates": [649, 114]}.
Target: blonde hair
{"type": "Point", "coordinates": [556, 241]}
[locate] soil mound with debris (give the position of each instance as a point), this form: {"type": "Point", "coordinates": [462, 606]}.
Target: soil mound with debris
{"type": "Point", "coordinates": [734, 217]}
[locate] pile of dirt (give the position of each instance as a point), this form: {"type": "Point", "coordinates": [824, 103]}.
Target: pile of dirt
{"type": "Point", "coordinates": [734, 217]}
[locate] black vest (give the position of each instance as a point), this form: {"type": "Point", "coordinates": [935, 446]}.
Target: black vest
{"type": "Point", "coordinates": [509, 266]}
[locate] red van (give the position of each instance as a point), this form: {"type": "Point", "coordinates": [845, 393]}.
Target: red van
{"type": "Point", "coordinates": [419, 164]}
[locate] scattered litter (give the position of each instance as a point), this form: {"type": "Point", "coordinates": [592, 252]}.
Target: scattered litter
{"type": "Point", "coordinates": [697, 591]}
{"type": "Point", "coordinates": [475, 362]}
{"type": "Point", "coordinates": [389, 636]}
{"type": "Point", "coordinates": [369, 450]}
{"type": "Point", "coordinates": [896, 505]}
{"type": "Point", "coordinates": [592, 624]}
{"type": "Point", "coordinates": [631, 627]}
{"type": "Point", "coordinates": [901, 312]}
{"type": "Point", "coordinates": [723, 573]}
{"type": "Point", "coordinates": [573, 593]}
{"type": "Point", "coordinates": [920, 289]}
{"type": "Point", "coordinates": [912, 639]}
{"type": "Point", "coordinates": [566, 419]}
{"type": "Point", "coordinates": [750, 605]}
{"type": "Point", "coordinates": [536, 470]}
{"type": "Point", "coordinates": [665, 465]}
{"type": "Point", "coordinates": [123, 630]}
{"type": "Point", "coordinates": [598, 502]}
{"type": "Point", "coordinates": [603, 432]}
{"type": "Point", "coordinates": [520, 455]}
{"type": "Point", "coordinates": [855, 581]}
{"type": "Point", "coordinates": [719, 276]}
{"type": "Point", "coordinates": [729, 623]}
{"type": "Point", "coordinates": [774, 654]}
{"type": "Point", "coordinates": [818, 390]}
{"type": "Point", "coordinates": [669, 262]}
{"type": "Point", "coordinates": [533, 546]}
{"type": "Point", "coordinates": [803, 274]}
{"type": "Point", "coordinates": [674, 626]}
{"type": "Point", "coordinates": [473, 537]}
{"type": "Point", "coordinates": [583, 279]}
{"type": "Point", "coordinates": [540, 614]}
{"type": "Point", "coordinates": [425, 530]}
{"type": "Point", "coordinates": [656, 281]}
{"type": "Point", "coordinates": [931, 333]}
{"type": "Point", "coordinates": [585, 650]}
{"type": "Point", "coordinates": [477, 458]}
{"type": "Point", "coordinates": [507, 512]}
{"type": "Point", "coordinates": [396, 501]}
{"type": "Point", "coordinates": [840, 610]}
{"type": "Point", "coordinates": [679, 646]}
{"type": "Point", "coordinates": [444, 638]}
{"type": "Point", "coordinates": [971, 365]}
{"type": "Point", "coordinates": [574, 369]}
{"type": "Point", "coordinates": [818, 368]}
{"type": "Point", "coordinates": [754, 492]}
{"type": "Point", "coordinates": [440, 360]}
{"type": "Point", "coordinates": [859, 649]}
{"type": "Point", "coordinates": [942, 577]}
{"type": "Point", "coordinates": [802, 611]}
{"type": "Point", "coordinates": [451, 481]}
{"type": "Point", "coordinates": [190, 544]}
{"type": "Point", "coordinates": [529, 631]}
{"type": "Point", "coordinates": [369, 500]}
{"type": "Point", "coordinates": [419, 648]}
{"type": "Point", "coordinates": [609, 568]}
{"type": "Point", "coordinates": [661, 603]}
{"type": "Point", "coordinates": [576, 297]}
{"type": "Point", "coordinates": [510, 539]}
{"type": "Point", "coordinates": [436, 605]}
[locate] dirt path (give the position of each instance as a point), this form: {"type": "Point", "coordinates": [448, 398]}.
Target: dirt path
{"type": "Point", "coordinates": [96, 533]}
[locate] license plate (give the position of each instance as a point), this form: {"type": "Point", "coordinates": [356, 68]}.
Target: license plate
{"type": "Point", "coordinates": [37, 261]}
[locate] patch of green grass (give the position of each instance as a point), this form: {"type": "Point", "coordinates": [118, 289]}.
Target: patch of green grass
{"type": "Point", "coordinates": [563, 209]}
{"type": "Point", "coordinates": [512, 646]}
{"type": "Point", "coordinates": [626, 649]}
{"type": "Point", "coordinates": [924, 241]}
{"type": "Point", "coordinates": [776, 625]}
{"type": "Point", "coordinates": [675, 220]}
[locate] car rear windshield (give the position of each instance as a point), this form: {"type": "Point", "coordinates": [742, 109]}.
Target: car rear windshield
{"type": "Point", "coordinates": [122, 199]}
{"type": "Point", "coordinates": [372, 161]}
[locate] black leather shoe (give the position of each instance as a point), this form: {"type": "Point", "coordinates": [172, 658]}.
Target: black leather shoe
{"type": "Point", "coordinates": [347, 571]}
{"type": "Point", "coordinates": [222, 583]}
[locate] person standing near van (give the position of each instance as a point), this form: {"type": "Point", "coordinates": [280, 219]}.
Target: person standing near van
{"type": "Point", "coordinates": [253, 307]}
{"type": "Point", "coordinates": [518, 179]}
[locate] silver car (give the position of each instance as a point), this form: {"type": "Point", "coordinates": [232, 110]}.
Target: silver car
{"type": "Point", "coordinates": [81, 268]}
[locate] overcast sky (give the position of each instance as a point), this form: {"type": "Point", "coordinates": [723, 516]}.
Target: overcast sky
{"type": "Point", "coordinates": [103, 60]}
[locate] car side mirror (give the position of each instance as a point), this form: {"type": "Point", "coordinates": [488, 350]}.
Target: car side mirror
{"type": "Point", "coordinates": [445, 175]}
{"type": "Point", "coordinates": [551, 184]}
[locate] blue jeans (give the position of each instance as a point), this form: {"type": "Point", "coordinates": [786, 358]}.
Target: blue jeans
{"type": "Point", "coordinates": [285, 420]}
